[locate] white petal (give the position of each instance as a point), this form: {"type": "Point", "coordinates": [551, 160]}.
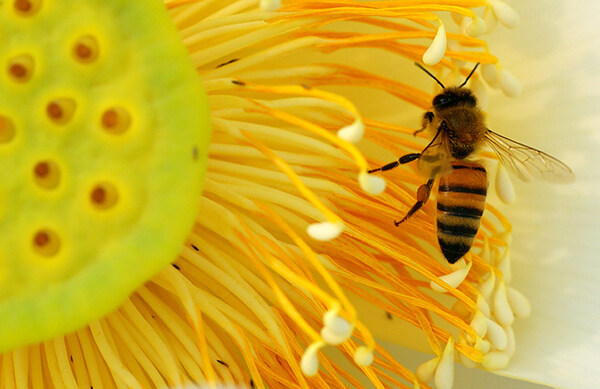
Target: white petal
{"type": "Point", "coordinates": [555, 246]}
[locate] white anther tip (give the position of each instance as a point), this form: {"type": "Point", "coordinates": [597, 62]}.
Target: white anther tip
{"type": "Point", "coordinates": [363, 356]}
{"type": "Point", "coordinates": [502, 310]}
{"type": "Point", "coordinates": [309, 364]}
{"type": "Point", "coordinates": [371, 184]}
{"type": "Point", "coordinates": [437, 49]}
{"type": "Point", "coordinates": [331, 337]}
{"type": "Point", "coordinates": [495, 360]}
{"type": "Point", "coordinates": [496, 335]}
{"type": "Point", "coordinates": [505, 13]}
{"type": "Point", "coordinates": [480, 91]}
{"type": "Point", "coordinates": [509, 84]}
{"type": "Point", "coordinates": [476, 27]}
{"type": "Point", "coordinates": [479, 324]}
{"type": "Point", "coordinates": [483, 305]}
{"type": "Point", "coordinates": [511, 345]}
{"type": "Point", "coordinates": [444, 374]}
{"type": "Point", "coordinates": [352, 133]}
{"type": "Point", "coordinates": [270, 5]}
{"type": "Point", "coordinates": [453, 279]}
{"type": "Point", "coordinates": [489, 71]}
{"type": "Point", "coordinates": [336, 330]}
{"type": "Point", "coordinates": [482, 345]}
{"type": "Point", "coordinates": [487, 286]}
{"type": "Point", "coordinates": [426, 370]}
{"type": "Point", "coordinates": [336, 323]}
{"type": "Point", "coordinates": [504, 186]}
{"type": "Point", "coordinates": [518, 302]}
{"type": "Point", "coordinates": [504, 265]}
{"type": "Point", "coordinates": [325, 231]}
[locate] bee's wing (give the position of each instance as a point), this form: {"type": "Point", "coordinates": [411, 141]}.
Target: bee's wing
{"type": "Point", "coordinates": [434, 160]}
{"type": "Point", "coordinates": [526, 162]}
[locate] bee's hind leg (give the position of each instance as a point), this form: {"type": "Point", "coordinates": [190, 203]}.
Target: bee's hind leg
{"type": "Point", "coordinates": [401, 161]}
{"type": "Point", "coordinates": [422, 196]}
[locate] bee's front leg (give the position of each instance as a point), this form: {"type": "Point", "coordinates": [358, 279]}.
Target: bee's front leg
{"type": "Point", "coordinates": [427, 119]}
{"type": "Point", "coordinates": [422, 196]}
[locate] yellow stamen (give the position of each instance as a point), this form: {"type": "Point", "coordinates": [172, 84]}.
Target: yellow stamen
{"type": "Point", "coordinates": [348, 147]}
{"type": "Point", "coordinates": [284, 301]}
{"type": "Point", "coordinates": [310, 196]}
{"type": "Point", "coordinates": [111, 358]}
{"type": "Point", "coordinates": [315, 262]}
{"type": "Point", "coordinates": [211, 376]}
{"type": "Point", "coordinates": [250, 360]}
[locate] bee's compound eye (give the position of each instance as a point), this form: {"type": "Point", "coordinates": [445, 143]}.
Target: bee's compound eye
{"type": "Point", "coordinates": [440, 100]}
{"type": "Point", "coordinates": [444, 100]}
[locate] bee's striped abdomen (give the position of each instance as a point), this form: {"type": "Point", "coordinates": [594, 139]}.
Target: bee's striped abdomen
{"type": "Point", "coordinates": [460, 204]}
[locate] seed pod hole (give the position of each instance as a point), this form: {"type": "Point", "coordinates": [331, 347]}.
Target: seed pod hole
{"type": "Point", "coordinates": [46, 174]}
{"type": "Point", "coordinates": [46, 242]}
{"type": "Point", "coordinates": [61, 110]}
{"type": "Point", "coordinates": [7, 130]}
{"type": "Point", "coordinates": [85, 49]}
{"type": "Point", "coordinates": [27, 7]}
{"type": "Point", "coordinates": [104, 196]}
{"type": "Point", "coordinates": [20, 68]}
{"type": "Point", "coordinates": [115, 120]}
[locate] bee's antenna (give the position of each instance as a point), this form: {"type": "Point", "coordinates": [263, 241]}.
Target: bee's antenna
{"type": "Point", "coordinates": [469, 76]}
{"type": "Point", "coordinates": [431, 75]}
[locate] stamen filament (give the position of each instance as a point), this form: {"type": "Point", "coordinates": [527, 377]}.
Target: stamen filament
{"type": "Point", "coordinates": [348, 147]}
{"type": "Point", "coordinates": [284, 301]}
{"type": "Point", "coordinates": [314, 261]}
{"type": "Point", "coordinates": [293, 177]}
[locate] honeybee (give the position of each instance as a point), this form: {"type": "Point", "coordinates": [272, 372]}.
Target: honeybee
{"type": "Point", "coordinates": [460, 130]}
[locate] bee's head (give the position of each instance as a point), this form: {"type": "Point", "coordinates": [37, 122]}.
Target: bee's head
{"type": "Point", "coordinates": [454, 97]}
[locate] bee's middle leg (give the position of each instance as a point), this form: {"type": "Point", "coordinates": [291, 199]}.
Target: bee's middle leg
{"type": "Point", "coordinates": [422, 196]}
